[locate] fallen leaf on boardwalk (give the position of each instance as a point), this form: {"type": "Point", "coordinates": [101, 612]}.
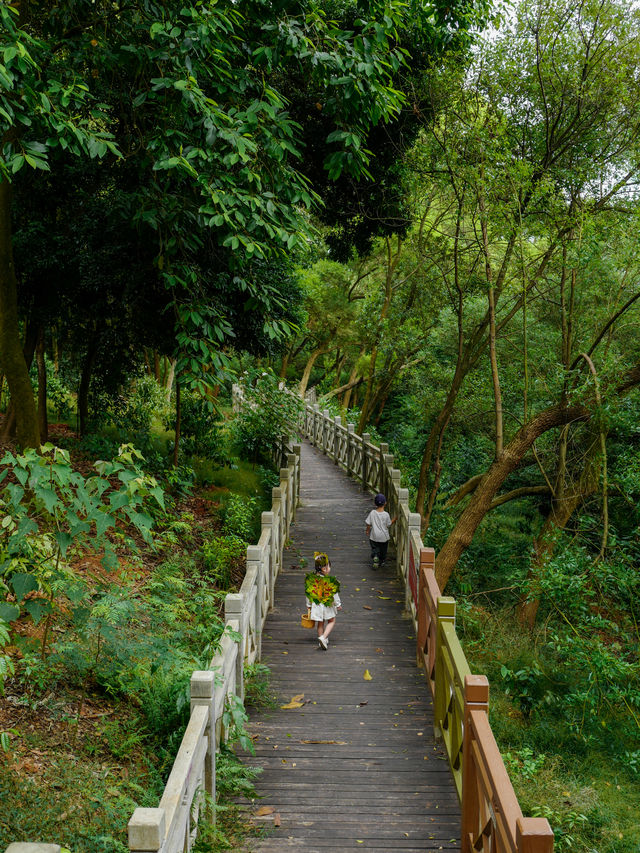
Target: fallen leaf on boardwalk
{"type": "Point", "coordinates": [359, 841]}
{"type": "Point", "coordinates": [367, 675]}
{"type": "Point", "coordinates": [294, 702]}
{"type": "Point", "coordinates": [363, 703]}
{"type": "Point", "coordinates": [340, 742]}
{"type": "Point", "coordinates": [276, 820]}
{"type": "Point", "coordinates": [386, 597]}
{"type": "Point", "coordinates": [380, 651]}
{"type": "Point", "coordinates": [366, 607]}
{"type": "Point", "coordinates": [264, 810]}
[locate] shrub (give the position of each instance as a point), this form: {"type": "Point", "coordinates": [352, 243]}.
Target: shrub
{"type": "Point", "coordinates": [267, 413]}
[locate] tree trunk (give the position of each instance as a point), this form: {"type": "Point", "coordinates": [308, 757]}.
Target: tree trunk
{"type": "Point", "coordinates": [308, 368]}
{"type": "Point", "coordinates": [42, 387]}
{"type": "Point", "coordinates": [168, 385]}
{"type": "Point", "coordinates": [85, 381]}
{"type": "Point", "coordinates": [28, 350]}
{"type": "Point", "coordinates": [176, 442]}
{"type": "Point", "coordinates": [460, 537]}
{"type": "Point", "coordinates": [11, 354]}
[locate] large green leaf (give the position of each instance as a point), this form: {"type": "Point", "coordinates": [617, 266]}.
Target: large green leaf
{"type": "Point", "coordinates": [23, 583]}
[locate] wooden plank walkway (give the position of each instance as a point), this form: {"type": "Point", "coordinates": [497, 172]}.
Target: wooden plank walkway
{"type": "Point", "coordinates": [357, 767]}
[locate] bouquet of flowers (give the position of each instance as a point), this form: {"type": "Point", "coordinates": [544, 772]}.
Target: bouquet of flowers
{"type": "Point", "coordinates": [320, 589]}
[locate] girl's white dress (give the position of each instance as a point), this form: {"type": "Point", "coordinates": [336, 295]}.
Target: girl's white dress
{"type": "Point", "coordinates": [322, 612]}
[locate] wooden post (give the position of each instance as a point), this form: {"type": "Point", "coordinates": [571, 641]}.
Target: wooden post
{"type": "Point", "coordinates": [412, 527]}
{"type": "Point", "coordinates": [366, 438]}
{"type": "Point", "coordinates": [234, 610]}
{"type": "Point", "coordinates": [476, 697]}
{"type": "Point", "coordinates": [146, 830]}
{"type": "Point", "coordinates": [445, 612]}
{"type": "Point", "coordinates": [534, 835]}
{"type": "Point", "coordinates": [202, 693]}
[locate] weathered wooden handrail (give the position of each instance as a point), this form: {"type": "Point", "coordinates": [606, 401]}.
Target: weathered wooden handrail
{"type": "Point", "coordinates": [491, 816]}
{"type": "Point", "coordinates": [172, 827]}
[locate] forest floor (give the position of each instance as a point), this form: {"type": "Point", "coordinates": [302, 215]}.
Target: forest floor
{"type": "Point", "coordinates": [79, 758]}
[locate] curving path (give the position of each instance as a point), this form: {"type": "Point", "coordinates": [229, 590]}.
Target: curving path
{"type": "Point", "coordinates": [356, 767]}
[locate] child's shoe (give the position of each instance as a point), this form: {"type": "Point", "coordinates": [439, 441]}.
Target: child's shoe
{"type": "Point", "coordinates": [376, 563]}
{"type": "Point", "coordinates": [323, 643]}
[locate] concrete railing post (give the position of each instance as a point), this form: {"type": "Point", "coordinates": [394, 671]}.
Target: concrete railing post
{"type": "Point", "coordinates": [366, 438]}
{"type": "Point", "coordinates": [386, 459]}
{"type": "Point", "coordinates": [146, 830]}
{"type": "Point", "coordinates": [203, 693]}
{"type": "Point", "coordinates": [445, 612]}
{"type": "Point", "coordinates": [350, 448]}
{"type": "Point", "coordinates": [411, 584]}
{"type": "Point", "coordinates": [255, 559]}
{"type": "Point", "coordinates": [234, 610]}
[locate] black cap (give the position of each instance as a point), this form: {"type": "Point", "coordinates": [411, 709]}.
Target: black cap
{"type": "Point", "coordinates": [379, 499]}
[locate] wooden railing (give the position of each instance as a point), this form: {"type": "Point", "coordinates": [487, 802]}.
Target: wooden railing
{"type": "Point", "coordinates": [172, 826]}
{"type": "Point", "coordinates": [492, 820]}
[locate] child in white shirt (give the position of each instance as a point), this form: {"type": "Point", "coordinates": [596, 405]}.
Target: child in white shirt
{"type": "Point", "coordinates": [378, 523]}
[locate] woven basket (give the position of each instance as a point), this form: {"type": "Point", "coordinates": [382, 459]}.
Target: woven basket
{"type": "Point", "coordinates": [306, 621]}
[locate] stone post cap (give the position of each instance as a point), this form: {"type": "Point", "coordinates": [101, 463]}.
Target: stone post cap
{"type": "Point", "coordinates": [146, 829]}
{"type": "Point", "coordinates": [32, 847]}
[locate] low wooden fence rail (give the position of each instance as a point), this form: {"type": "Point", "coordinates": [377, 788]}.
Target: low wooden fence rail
{"type": "Point", "coordinates": [492, 821]}
{"type": "Point", "coordinates": [172, 826]}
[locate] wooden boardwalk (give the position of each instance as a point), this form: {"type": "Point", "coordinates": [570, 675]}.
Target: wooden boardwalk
{"type": "Point", "coordinates": [356, 767]}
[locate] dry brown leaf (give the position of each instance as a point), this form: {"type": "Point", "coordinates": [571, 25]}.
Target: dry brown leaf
{"type": "Point", "coordinates": [366, 607]}
{"type": "Point", "coordinates": [265, 810]}
{"type": "Point", "coordinates": [276, 820]}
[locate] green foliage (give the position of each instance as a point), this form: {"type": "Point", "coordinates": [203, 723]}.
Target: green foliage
{"type": "Point", "coordinates": [268, 412]}
{"type": "Point", "coordinates": [257, 692]}
{"type": "Point", "coordinates": [235, 720]}
{"type": "Point", "coordinates": [200, 435]}
{"type": "Point", "coordinates": [6, 664]}
{"type": "Point", "coordinates": [222, 558]}
{"type": "Point", "coordinates": [50, 509]}
{"type": "Point", "coordinates": [241, 517]}
{"type": "Point", "coordinates": [133, 411]}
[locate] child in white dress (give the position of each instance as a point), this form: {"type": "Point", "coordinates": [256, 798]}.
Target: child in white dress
{"type": "Point", "coordinates": [323, 599]}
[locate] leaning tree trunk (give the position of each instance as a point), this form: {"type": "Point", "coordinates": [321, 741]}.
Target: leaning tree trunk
{"type": "Point", "coordinates": [302, 389]}
{"type": "Point", "coordinates": [11, 354]}
{"type": "Point", "coordinates": [460, 537]}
